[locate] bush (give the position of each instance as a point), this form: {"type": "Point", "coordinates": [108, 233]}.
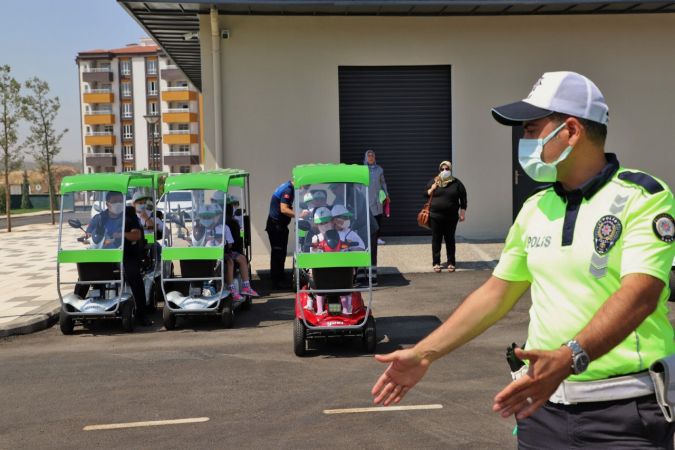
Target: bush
{"type": "Point", "coordinates": [3, 204]}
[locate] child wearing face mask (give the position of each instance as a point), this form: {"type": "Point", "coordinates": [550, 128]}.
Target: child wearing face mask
{"type": "Point", "coordinates": [342, 220]}
{"type": "Point", "coordinates": [323, 222]}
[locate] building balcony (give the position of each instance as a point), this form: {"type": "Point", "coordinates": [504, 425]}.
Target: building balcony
{"type": "Point", "coordinates": [99, 138]}
{"type": "Point", "coordinates": [172, 73]}
{"type": "Point", "coordinates": [99, 96]}
{"type": "Point", "coordinates": [180, 159]}
{"type": "Point", "coordinates": [99, 118]}
{"type": "Point", "coordinates": [178, 115]}
{"type": "Point", "coordinates": [97, 74]}
{"type": "Point", "coordinates": [182, 95]}
{"type": "Point", "coordinates": [180, 137]}
{"type": "Point", "coordinates": [100, 159]}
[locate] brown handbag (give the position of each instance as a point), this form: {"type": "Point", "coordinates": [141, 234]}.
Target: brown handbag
{"type": "Point", "coordinates": [423, 215]}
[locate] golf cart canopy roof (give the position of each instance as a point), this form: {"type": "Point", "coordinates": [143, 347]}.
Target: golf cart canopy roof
{"type": "Point", "coordinates": [330, 173]}
{"type": "Point", "coordinates": [148, 178]}
{"type": "Point", "coordinates": [219, 179]}
{"type": "Point", "coordinates": [118, 182]}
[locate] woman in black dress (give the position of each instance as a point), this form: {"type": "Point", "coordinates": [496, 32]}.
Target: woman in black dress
{"type": "Point", "coordinates": [448, 206]}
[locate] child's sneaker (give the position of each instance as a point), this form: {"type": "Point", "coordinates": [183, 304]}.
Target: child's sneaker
{"type": "Point", "coordinates": [236, 296]}
{"type": "Point", "coordinates": [248, 291]}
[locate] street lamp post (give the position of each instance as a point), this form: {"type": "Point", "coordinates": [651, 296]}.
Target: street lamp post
{"type": "Point", "coordinates": [155, 162]}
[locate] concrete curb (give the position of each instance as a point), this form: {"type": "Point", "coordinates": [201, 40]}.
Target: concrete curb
{"type": "Point", "coordinates": [37, 322]}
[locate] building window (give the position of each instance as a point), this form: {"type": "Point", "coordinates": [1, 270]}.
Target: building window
{"type": "Point", "coordinates": [126, 89]}
{"type": "Point", "coordinates": [152, 67]}
{"type": "Point", "coordinates": [184, 169]}
{"type": "Point", "coordinates": [128, 152]}
{"type": "Point", "coordinates": [108, 129]}
{"type": "Point", "coordinates": [152, 108]}
{"type": "Point", "coordinates": [152, 87]}
{"type": "Point", "coordinates": [127, 131]}
{"type": "Point", "coordinates": [125, 67]}
{"type": "Point", "coordinates": [127, 110]}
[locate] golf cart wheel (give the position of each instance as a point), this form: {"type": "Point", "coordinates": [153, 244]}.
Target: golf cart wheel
{"type": "Point", "coordinates": [66, 323]}
{"type": "Point", "coordinates": [248, 302]}
{"type": "Point", "coordinates": [168, 318]}
{"type": "Point", "coordinates": [369, 335]}
{"type": "Point", "coordinates": [128, 316]}
{"type": "Point", "coordinates": [158, 295]}
{"type": "Point", "coordinates": [299, 338]}
{"type": "Point", "coordinates": [227, 314]}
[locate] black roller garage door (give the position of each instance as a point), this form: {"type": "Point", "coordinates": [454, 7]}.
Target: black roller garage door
{"type": "Point", "coordinates": [403, 113]}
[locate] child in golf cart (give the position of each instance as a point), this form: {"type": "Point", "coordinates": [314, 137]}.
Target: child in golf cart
{"type": "Point", "coordinates": [324, 221]}
{"type": "Point", "coordinates": [342, 220]}
{"type": "Point", "coordinates": [231, 255]}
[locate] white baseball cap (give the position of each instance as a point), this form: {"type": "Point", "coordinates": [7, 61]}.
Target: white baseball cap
{"type": "Point", "coordinates": [556, 92]}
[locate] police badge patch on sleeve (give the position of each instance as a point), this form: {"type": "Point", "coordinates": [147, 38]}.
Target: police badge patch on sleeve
{"type": "Point", "coordinates": [607, 232]}
{"type": "Point", "coordinates": [664, 227]}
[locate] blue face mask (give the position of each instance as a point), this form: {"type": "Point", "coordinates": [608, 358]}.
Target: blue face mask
{"type": "Point", "coordinates": [529, 157]}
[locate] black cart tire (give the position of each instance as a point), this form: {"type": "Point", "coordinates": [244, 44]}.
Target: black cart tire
{"type": "Point", "coordinates": [169, 318]}
{"type": "Point", "coordinates": [248, 302]}
{"type": "Point", "coordinates": [299, 338]}
{"type": "Point", "coordinates": [128, 315]}
{"type": "Point", "coordinates": [66, 323]}
{"type": "Point", "coordinates": [227, 313]}
{"type": "Point", "coordinates": [370, 335]}
{"type": "Point", "coordinates": [158, 295]}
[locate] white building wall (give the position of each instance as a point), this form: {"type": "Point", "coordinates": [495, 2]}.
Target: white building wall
{"type": "Point", "coordinates": [140, 110]}
{"type": "Point", "coordinates": [280, 91]}
{"type": "Point", "coordinates": [117, 126]}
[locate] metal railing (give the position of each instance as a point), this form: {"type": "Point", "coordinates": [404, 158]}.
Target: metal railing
{"type": "Point", "coordinates": [126, 93]}
{"type": "Point", "coordinates": [99, 91]}
{"type": "Point", "coordinates": [127, 115]}
{"type": "Point", "coordinates": [100, 153]}
{"type": "Point", "coordinates": [153, 93]}
{"type": "Point", "coordinates": [178, 153]}
{"type": "Point", "coordinates": [128, 157]}
{"type": "Point", "coordinates": [99, 133]}
{"type": "Point", "coordinates": [180, 132]}
{"type": "Point", "coordinates": [99, 112]}
{"type": "Point", "coordinates": [177, 110]}
{"type": "Point", "coordinates": [97, 69]}
{"type": "Point", "coordinates": [177, 88]}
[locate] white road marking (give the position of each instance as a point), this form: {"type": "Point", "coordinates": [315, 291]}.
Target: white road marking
{"type": "Point", "coordinates": [380, 409]}
{"type": "Point", "coordinates": [152, 423]}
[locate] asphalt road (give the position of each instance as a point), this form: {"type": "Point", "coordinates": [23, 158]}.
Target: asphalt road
{"type": "Point", "coordinates": [255, 392]}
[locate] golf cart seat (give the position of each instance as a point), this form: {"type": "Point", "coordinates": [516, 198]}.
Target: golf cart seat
{"type": "Point", "coordinates": [333, 278]}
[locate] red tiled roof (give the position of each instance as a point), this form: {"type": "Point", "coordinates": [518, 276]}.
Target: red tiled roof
{"type": "Point", "coordinates": [134, 48]}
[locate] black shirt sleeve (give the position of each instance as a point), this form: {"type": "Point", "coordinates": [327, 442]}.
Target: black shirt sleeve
{"type": "Point", "coordinates": [462, 195]}
{"type": "Point", "coordinates": [429, 184]}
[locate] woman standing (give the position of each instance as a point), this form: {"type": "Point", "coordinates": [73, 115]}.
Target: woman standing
{"type": "Point", "coordinates": [377, 184]}
{"type": "Point", "coordinates": [448, 205]}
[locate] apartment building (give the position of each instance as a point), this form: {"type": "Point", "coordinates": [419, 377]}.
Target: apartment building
{"type": "Point", "coordinates": [138, 111]}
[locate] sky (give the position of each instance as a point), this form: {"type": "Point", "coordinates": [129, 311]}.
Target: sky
{"type": "Point", "coordinates": [41, 38]}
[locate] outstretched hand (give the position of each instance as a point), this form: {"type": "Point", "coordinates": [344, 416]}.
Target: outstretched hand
{"type": "Point", "coordinates": [406, 368]}
{"type": "Point", "coordinates": [547, 369]}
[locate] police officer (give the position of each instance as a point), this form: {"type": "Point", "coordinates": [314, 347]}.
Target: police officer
{"type": "Point", "coordinates": [595, 248]}
{"type": "Point", "coordinates": [280, 214]}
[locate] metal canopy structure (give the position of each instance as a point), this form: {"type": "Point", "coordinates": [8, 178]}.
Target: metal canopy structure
{"type": "Point", "coordinates": [175, 24]}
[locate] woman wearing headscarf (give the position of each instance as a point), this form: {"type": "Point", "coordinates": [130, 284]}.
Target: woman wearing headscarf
{"type": "Point", "coordinates": [448, 206]}
{"type": "Point", "coordinates": [376, 185]}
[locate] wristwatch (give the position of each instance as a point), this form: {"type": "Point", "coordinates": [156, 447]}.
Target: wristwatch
{"type": "Point", "coordinates": [580, 359]}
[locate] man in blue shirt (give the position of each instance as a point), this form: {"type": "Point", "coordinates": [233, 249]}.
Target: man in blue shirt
{"type": "Point", "coordinates": [107, 227]}
{"type": "Point", "coordinates": [280, 215]}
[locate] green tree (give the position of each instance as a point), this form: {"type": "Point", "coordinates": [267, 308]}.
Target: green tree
{"type": "Point", "coordinates": [25, 191]}
{"type": "Point", "coordinates": [11, 111]}
{"type": "Point", "coordinates": [44, 141]}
